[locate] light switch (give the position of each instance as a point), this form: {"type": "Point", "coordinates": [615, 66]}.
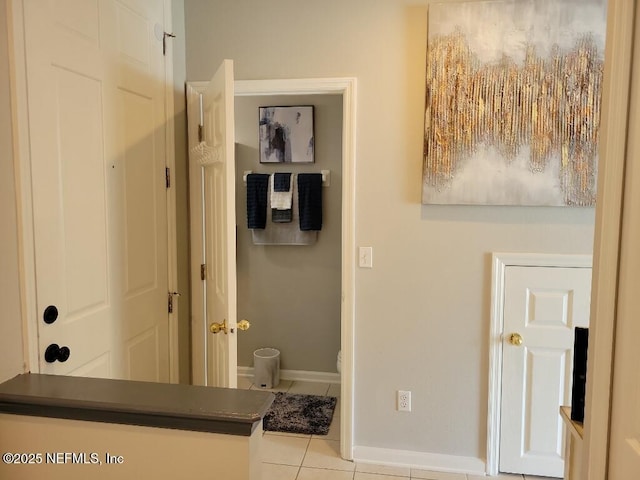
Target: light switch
{"type": "Point", "coordinates": [365, 257]}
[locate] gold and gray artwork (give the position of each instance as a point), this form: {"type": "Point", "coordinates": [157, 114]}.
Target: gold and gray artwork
{"type": "Point", "coordinates": [512, 108]}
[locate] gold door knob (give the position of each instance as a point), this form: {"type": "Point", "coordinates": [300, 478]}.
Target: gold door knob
{"type": "Point", "coordinates": [244, 325]}
{"type": "Point", "coordinates": [515, 339]}
{"type": "Point", "coordinates": [218, 327]}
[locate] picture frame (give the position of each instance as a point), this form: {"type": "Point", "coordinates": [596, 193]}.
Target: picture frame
{"type": "Point", "coordinates": [286, 134]}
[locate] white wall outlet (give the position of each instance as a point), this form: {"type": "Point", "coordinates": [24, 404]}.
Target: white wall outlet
{"type": "Point", "coordinates": [404, 401]}
{"type": "Point", "coordinates": [365, 257]}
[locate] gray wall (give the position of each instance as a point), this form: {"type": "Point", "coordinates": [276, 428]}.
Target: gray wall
{"type": "Point", "coordinates": [11, 322]}
{"type": "Point", "coordinates": [423, 311]}
{"type": "Point", "coordinates": [181, 182]}
{"type": "Point", "coordinates": [291, 294]}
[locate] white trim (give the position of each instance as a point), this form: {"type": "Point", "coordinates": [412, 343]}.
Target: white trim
{"type": "Point", "coordinates": [22, 160]}
{"type": "Point", "coordinates": [347, 313]}
{"type": "Point", "coordinates": [435, 462]}
{"type": "Point", "coordinates": [500, 262]}
{"type": "Point", "coordinates": [170, 160]}
{"type": "Point", "coordinates": [613, 135]}
{"type": "Point", "coordinates": [297, 375]}
{"type": "Point", "coordinates": [198, 327]}
{"type": "Point", "coordinates": [347, 88]}
{"type": "Point", "coordinates": [297, 86]}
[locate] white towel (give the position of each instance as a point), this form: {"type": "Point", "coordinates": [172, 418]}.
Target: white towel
{"type": "Point", "coordinates": [281, 200]}
{"type": "Point", "coordinates": [285, 233]}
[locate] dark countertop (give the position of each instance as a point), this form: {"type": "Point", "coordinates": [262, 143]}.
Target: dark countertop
{"type": "Point", "coordinates": [182, 407]}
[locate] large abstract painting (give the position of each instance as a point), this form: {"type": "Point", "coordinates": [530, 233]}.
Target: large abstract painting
{"type": "Point", "coordinates": [513, 102]}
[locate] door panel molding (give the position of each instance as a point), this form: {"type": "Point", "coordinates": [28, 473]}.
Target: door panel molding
{"type": "Point", "coordinates": [500, 262]}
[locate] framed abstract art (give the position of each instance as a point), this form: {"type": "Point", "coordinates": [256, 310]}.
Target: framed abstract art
{"type": "Point", "coordinates": [512, 110]}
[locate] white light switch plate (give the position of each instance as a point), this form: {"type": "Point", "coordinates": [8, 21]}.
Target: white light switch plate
{"type": "Point", "coordinates": [365, 257]}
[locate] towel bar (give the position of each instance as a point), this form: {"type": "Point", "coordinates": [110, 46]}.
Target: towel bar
{"type": "Point", "coordinates": [326, 177]}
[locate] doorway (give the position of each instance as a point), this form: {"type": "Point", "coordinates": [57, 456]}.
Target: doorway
{"type": "Point", "coordinates": [346, 88]}
{"type": "Point", "coordinates": [288, 282]}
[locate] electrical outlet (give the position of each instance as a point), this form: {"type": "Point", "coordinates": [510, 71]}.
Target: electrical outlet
{"type": "Point", "coordinates": [404, 401]}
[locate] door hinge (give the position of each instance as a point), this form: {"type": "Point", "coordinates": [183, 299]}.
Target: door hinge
{"type": "Point", "coordinates": [203, 271]}
{"type": "Point", "coordinates": [164, 41]}
{"type": "Point", "coordinates": [167, 176]}
{"type": "Point", "coordinates": [170, 296]}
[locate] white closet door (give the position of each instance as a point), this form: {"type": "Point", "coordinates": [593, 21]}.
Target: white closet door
{"type": "Point", "coordinates": [542, 306]}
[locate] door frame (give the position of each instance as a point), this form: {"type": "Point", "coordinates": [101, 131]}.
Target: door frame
{"type": "Point", "coordinates": [22, 165]}
{"type": "Point", "coordinates": [616, 92]}
{"type": "Point", "coordinates": [500, 262]}
{"type": "Point", "coordinates": [172, 228]}
{"type": "Point", "coordinates": [346, 87]}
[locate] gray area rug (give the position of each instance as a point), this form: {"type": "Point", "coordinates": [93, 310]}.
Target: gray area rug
{"type": "Point", "coordinates": [296, 413]}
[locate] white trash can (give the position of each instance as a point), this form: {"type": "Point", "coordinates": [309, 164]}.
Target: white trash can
{"type": "Point", "coordinates": [266, 367]}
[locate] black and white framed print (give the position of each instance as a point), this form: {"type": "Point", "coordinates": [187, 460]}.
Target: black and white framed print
{"type": "Point", "coordinates": [286, 134]}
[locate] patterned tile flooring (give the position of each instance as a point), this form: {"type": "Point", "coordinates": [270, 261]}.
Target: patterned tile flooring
{"type": "Point", "coordinates": [311, 457]}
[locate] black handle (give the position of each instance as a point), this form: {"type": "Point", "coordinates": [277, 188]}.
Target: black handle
{"type": "Point", "coordinates": [55, 352]}
{"type": "Point", "coordinates": [50, 314]}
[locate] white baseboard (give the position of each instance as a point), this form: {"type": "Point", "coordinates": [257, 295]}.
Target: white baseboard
{"type": "Point", "coordinates": [436, 462]}
{"type": "Point", "coordinates": [298, 375]}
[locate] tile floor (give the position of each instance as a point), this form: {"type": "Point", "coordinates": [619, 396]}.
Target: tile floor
{"type": "Point", "coordinates": [288, 456]}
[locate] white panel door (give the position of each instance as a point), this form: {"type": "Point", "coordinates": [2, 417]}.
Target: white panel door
{"type": "Point", "coordinates": [95, 85]}
{"type": "Point", "coordinates": [213, 229]}
{"type": "Point", "coordinates": [542, 305]}
{"type": "Point", "coordinates": [139, 193]}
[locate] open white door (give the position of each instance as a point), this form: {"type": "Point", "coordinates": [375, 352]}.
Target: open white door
{"type": "Point", "coordinates": [542, 306]}
{"type": "Point", "coordinates": [213, 229]}
{"type": "Point", "coordinates": [96, 117]}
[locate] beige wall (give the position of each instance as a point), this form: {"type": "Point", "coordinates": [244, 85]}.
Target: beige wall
{"type": "Point", "coordinates": [291, 294]}
{"type": "Point", "coordinates": [10, 322]}
{"type": "Point", "coordinates": [147, 452]}
{"type": "Point", "coordinates": [422, 312]}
